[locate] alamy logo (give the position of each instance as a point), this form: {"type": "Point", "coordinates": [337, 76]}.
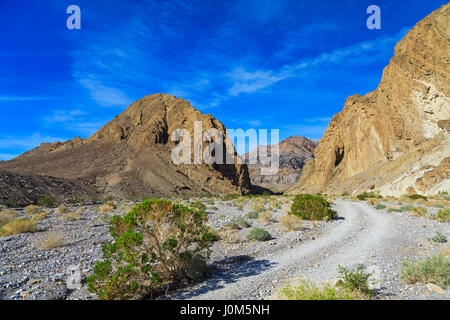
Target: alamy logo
{"type": "Point", "coordinates": [213, 147]}
{"type": "Point", "coordinates": [74, 20]}
{"type": "Point", "coordinates": [374, 21]}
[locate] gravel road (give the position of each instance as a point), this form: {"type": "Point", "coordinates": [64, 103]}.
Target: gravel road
{"type": "Point", "coordinates": [362, 235]}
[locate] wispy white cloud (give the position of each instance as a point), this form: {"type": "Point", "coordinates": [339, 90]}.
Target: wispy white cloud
{"type": "Point", "coordinates": [26, 142]}
{"type": "Point", "coordinates": [77, 121]}
{"type": "Point", "coordinates": [364, 53]}
{"type": "Point", "coordinates": [247, 82]}
{"type": "Point", "coordinates": [104, 95]}
{"type": "Point", "coordinates": [62, 116]}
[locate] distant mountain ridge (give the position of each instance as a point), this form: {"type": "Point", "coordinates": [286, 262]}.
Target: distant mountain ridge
{"type": "Point", "coordinates": [294, 152]}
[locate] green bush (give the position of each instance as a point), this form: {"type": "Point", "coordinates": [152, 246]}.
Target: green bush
{"type": "Point", "coordinates": [155, 245]}
{"type": "Point", "coordinates": [252, 215]}
{"type": "Point", "coordinates": [310, 207]}
{"type": "Point", "coordinates": [47, 201]}
{"type": "Point", "coordinates": [232, 225]}
{"type": "Point", "coordinates": [443, 215]}
{"type": "Point", "coordinates": [368, 195]}
{"type": "Point", "coordinates": [258, 234]}
{"type": "Point", "coordinates": [439, 238]}
{"type": "Point", "coordinates": [241, 222]}
{"type": "Point", "coordinates": [355, 280]}
{"type": "Point", "coordinates": [380, 206]}
{"type": "Point", "coordinates": [434, 269]}
{"type": "Point", "coordinates": [417, 197]}
{"type": "Point", "coordinates": [197, 205]}
{"type": "Point", "coordinates": [402, 209]}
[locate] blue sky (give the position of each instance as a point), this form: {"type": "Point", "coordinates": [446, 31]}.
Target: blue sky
{"type": "Point", "coordinates": [271, 64]}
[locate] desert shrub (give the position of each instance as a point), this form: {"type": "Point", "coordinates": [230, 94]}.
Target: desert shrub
{"type": "Point", "coordinates": [32, 210]}
{"type": "Point", "coordinates": [406, 208]}
{"type": "Point", "coordinates": [62, 209]}
{"type": "Point", "coordinates": [47, 202]}
{"type": "Point", "coordinates": [355, 280]}
{"type": "Point", "coordinates": [368, 195]}
{"type": "Point", "coordinates": [232, 225]}
{"type": "Point", "coordinates": [434, 269]}
{"type": "Point", "coordinates": [230, 236]}
{"type": "Point", "coordinates": [439, 238]}
{"type": "Point", "coordinates": [401, 209]}
{"type": "Point", "coordinates": [274, 204]}
{"type": "Point", "coordinates": [291, 222]}
{"type": "Point", "coordinates": [241, 222]}
{"type": "Point", "coordinates": [213, 208]}
{"type": "Point", "coordinates": [252, 215]}
{"type": "Point", "coordinates": [419, 211]}
{"type": "Point", "coordinates": [380, 206]}
{"type": "Point", "coordinates": [40, 216]}
{"type": "Point", "coordinates": [346, 194]}
{"type": "Point", "coordinates": [71, 216]}
{"type": "Point", "coordinates": [258, 234]}
{"type": "Point", "coordinates": [310, 207]}
{"type": "Point", "coordinates": [307, 290]}
{"type": "Point", "coordinates": [417, 197]}
{"type": "Point", "coordinates": [257, 204]}
{"type": "Point", "coordinates": [107, 207]}
{"type": "Point", "coordinates": [7, 216]}
{"type": "Point", "coordinates": [265, 216]}
{"type": "Point", "coordinates": [154, 246]}
{"type": "Point", "coordinates": [443, 215]}
{"type": "Point", "coordinates": [197, 205]}
{"type": "Point", "coordinates": [19, 225]}
{"type": "Point", "coordinates": [373, 202]}
{"type": "Point", "coordinates": [51, 240]}
{"type": "Point", "coordinates": [229, 197]}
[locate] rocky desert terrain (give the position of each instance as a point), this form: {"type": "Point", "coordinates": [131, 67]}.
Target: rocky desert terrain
{"type": "Point", "coordinates": [36, 265]}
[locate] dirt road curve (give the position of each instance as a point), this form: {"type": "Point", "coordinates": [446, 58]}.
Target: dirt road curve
{"type": "Point", "coordinates": [362, 235]}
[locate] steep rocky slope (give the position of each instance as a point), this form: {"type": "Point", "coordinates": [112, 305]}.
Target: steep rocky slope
{"type": "Point", "coordinates": [294, 153]}
{"type": "Point", "coordinates": [396, 138]}
{"type": "Point", "coordinates": [132, 154]}
{"type": "Point", "coordinates": [17, 190]}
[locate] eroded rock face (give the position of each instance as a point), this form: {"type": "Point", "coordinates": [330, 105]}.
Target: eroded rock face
{"type": "Point", "coordinates": [132, 154]}
{"type": "Point", "coordinates": [395, 138]}
{"type": "Point", "coordinates": [294, 153]}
